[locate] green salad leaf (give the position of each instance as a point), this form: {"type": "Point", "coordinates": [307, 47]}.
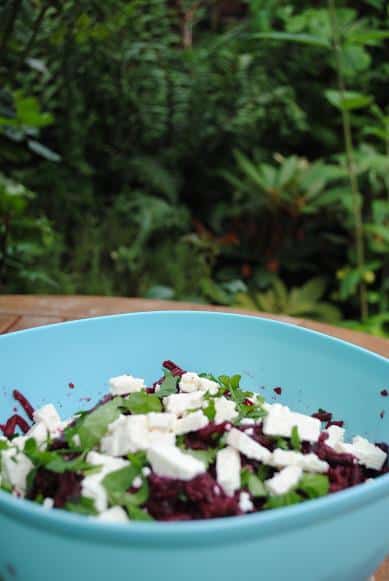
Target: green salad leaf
{"type": "Point", "coordinates": [168, 386]}
{"type": "Point", "coordinates": [136, 513]}
{"type": "Point", "coordinates": [314, 485]}
{"type": "Point", "coordinates": [117, 484]}
{"type": "Point", "coordinates": [210, 410]}
{"type": "Point", "coordinates": [53, 461]}
{"type": "Point", "coordinates": [93, 426]}
{"type": "Point", "coordinates": [282, 443]}
{"type": "Point", "coordinates": [253, 483]}
{"type": "Point", "coordinates": [281, 500]}
{"type": "Point", "coordinates": [142, 403]}
{"type": "Point", "coordinates": [295, 439]}
{"type": "Point", "coordinates": [206, 456]}
{"type": "Point", "coordinates": [83, 505]}
{"type": "Point", "coordinates": [240, 397]}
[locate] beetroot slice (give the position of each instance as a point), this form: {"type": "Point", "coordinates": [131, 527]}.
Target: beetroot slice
{"type": "Point", "coordinates": [24, 403]}
{"type": "Point", "coordinates": [12, 423]}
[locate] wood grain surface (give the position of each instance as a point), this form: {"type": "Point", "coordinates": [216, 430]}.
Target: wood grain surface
{"type": "Point", "coordinates": [24, 311]}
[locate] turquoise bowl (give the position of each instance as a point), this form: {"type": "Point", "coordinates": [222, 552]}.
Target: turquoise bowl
{"type": "Point", "coordinates": [340, 538]}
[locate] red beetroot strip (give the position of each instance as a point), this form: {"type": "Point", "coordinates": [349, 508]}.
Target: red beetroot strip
{"type": "Point", "coordinates": [12, 423]}
{"type": "Point", "coordinates": [24, 403]}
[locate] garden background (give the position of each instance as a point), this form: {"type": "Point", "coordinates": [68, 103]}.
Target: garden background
{"type": "Point", "coordinates": [232, 152]}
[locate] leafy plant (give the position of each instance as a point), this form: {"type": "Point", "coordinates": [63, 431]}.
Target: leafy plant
{"type": "Point", "coordinates": [299, 302]}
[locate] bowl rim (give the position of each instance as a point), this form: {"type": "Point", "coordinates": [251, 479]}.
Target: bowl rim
{"type": "Point", "coordinates": [208, 531]}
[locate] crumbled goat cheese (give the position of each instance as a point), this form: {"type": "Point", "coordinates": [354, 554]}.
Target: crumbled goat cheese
{"type": "Point", "coordinates": [171, 462]}
{"type": "Point", "coordinates": [228, 470]}
{"type": "Point", "coordinates": [284, 481]}
{"type": "Point", "coordinates": [124, 384]}
{"type": "Point", "coordinates": [247, 446]}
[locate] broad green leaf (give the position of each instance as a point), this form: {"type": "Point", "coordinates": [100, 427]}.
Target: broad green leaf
{"type": "Point", "coordinates": [314, 485]}
{"type": "Point", "coordinates": [301, 38]}
{"type": "Point", "coordinates": [371, 37]}
{"type": "Point", "coordinates": [283, 500]}
{"type": "Point", "coordinates": [93, 426]}
{"type": "Point", "coordinates": [351, 100]}
{"type": "Point", "coordinates": [43, 151]}
{"type": "Point", "coordinates": [168, 386]}
{"type": "Point", "coordinates": [83, 506]}
{"type": "Point", "coordinates": [295, 439]}
{"type": "Point", "coordinates": [142, 403]}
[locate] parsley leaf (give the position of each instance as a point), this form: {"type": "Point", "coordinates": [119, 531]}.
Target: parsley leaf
{"type": "Point", "coordinates": [263, 472]}
{"type": "Point", "coordinates": [136, 513]}
{"type": "Point", "coordinates": [53, 461]}
{"type": "Point", "coordinates": [283, 500]}
{"type": "Point", "coordinates": [282, 443]}
{"type": "Point", "coordinates": [117, 484]}
{"type": "Point", "coordinates": [295, 439]}
{"type": "Point", "coordinates": [210, 410]}
{"type": "Point", "coordinates": [138, 459]}
{"type": "Point", "coordinates": [92, 427]}
{"type": "Point", "coordinates": [253, 483]}
{"type": "Point", "coordinates": [142, 403]}
{"type": "Point", "coordinates": [168, 386]}
{"type": "Point", "coordinates": [314, 485]}
{"type": "Point", "coordinates": [255, 410]}
{"type": "Point", "coordinates": [82, 506]}
{"type": "Point", "coordinates": [206, 456]}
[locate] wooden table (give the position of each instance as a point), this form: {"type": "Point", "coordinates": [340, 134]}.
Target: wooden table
{"type": "Point", "coordinates": [24, 311]}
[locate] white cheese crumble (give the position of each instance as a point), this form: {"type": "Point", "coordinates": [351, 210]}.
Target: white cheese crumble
{"type": "Point", "coordinates": [49, 416]}
{"type": "Point", "coordinates": [284, 481]}
{"type": "Point", "coordinates": [39, 432]}
{"type": "Point", "coordinates": [335, 436]}
{"type": "Point", "coordinates": [191, 423]}
{"type": "Point", "coordinates": [245, 503]}
{"type": "Point", "coordinates": [91, 486]}
{"type": "Point", "coordinates": [308, 462]}
{"type": "Point", "coordinates": [280, 422]}
{"type": "Point", "coordinates": [113, 514]}
{"type": "Point", "coordinates": [247, 446]}
{"type": "Point", "coordinates": [179, 403]}
{"type": "Point", "coordinates": [171, 462]}
{"type": "Point", "coordinates": [126, 434]}
{"type": "Point", "coordinates": [124, 384]}
{"type": "Point", "coordinates": [161, 421]}
{"type": "Point", "coordinates": [228, 470]}
{"type": "Point", "coordinates": [48, 502]}
{"type": "Point", "coordinates": [15, 467]}
{"type": "Point", "coordinates": [191, 382]}
{"type": "Point", "coordinates": [225, 410]}
{"type": "Point", "coordinates": [367, 454]}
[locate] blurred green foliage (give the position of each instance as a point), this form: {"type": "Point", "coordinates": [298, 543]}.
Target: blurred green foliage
{"type": "Point", "coordinates": [193, 150]}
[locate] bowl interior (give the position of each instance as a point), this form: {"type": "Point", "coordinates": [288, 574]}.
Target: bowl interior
{"type": "Point", "coordinates": [312, 369]}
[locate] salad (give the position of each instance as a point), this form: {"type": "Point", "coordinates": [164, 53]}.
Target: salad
{"type": "Point", "coordinates": [191, 446]}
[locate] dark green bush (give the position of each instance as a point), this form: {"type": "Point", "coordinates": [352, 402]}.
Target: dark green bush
{"type": "Point", "coordinates": [195, 150]}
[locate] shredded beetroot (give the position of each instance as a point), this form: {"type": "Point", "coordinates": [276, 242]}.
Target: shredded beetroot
{"type": "Point", "coordinates": [164, 488]}
{"type": "Point", "coordinates": [212, 501]}
{"type": "Point", "coordinates": [71, 385]}
{"type": "Point", "coordinates": [278, 390]}
{"type": "Point", "coordinates": [206, 437]}
{"type": "Point", "coordinates": [173, 368]}
{"type": "Point", "coordinates": [342, 477]}
{"type": "Point", "coordinates": [322, 415]}
{"type": "Point", "coordinates": [262, 439]}
{"type": "Point", "coordinates": [12, 423]}
{"type": "Point", "coordinates": [339, 423]}
{"type": "Point", "coordinates": [61, 487]}
{"type": "Point", "coordinates": [24, 403]}
{"type": "Point", "coordinates": [248, 402]}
